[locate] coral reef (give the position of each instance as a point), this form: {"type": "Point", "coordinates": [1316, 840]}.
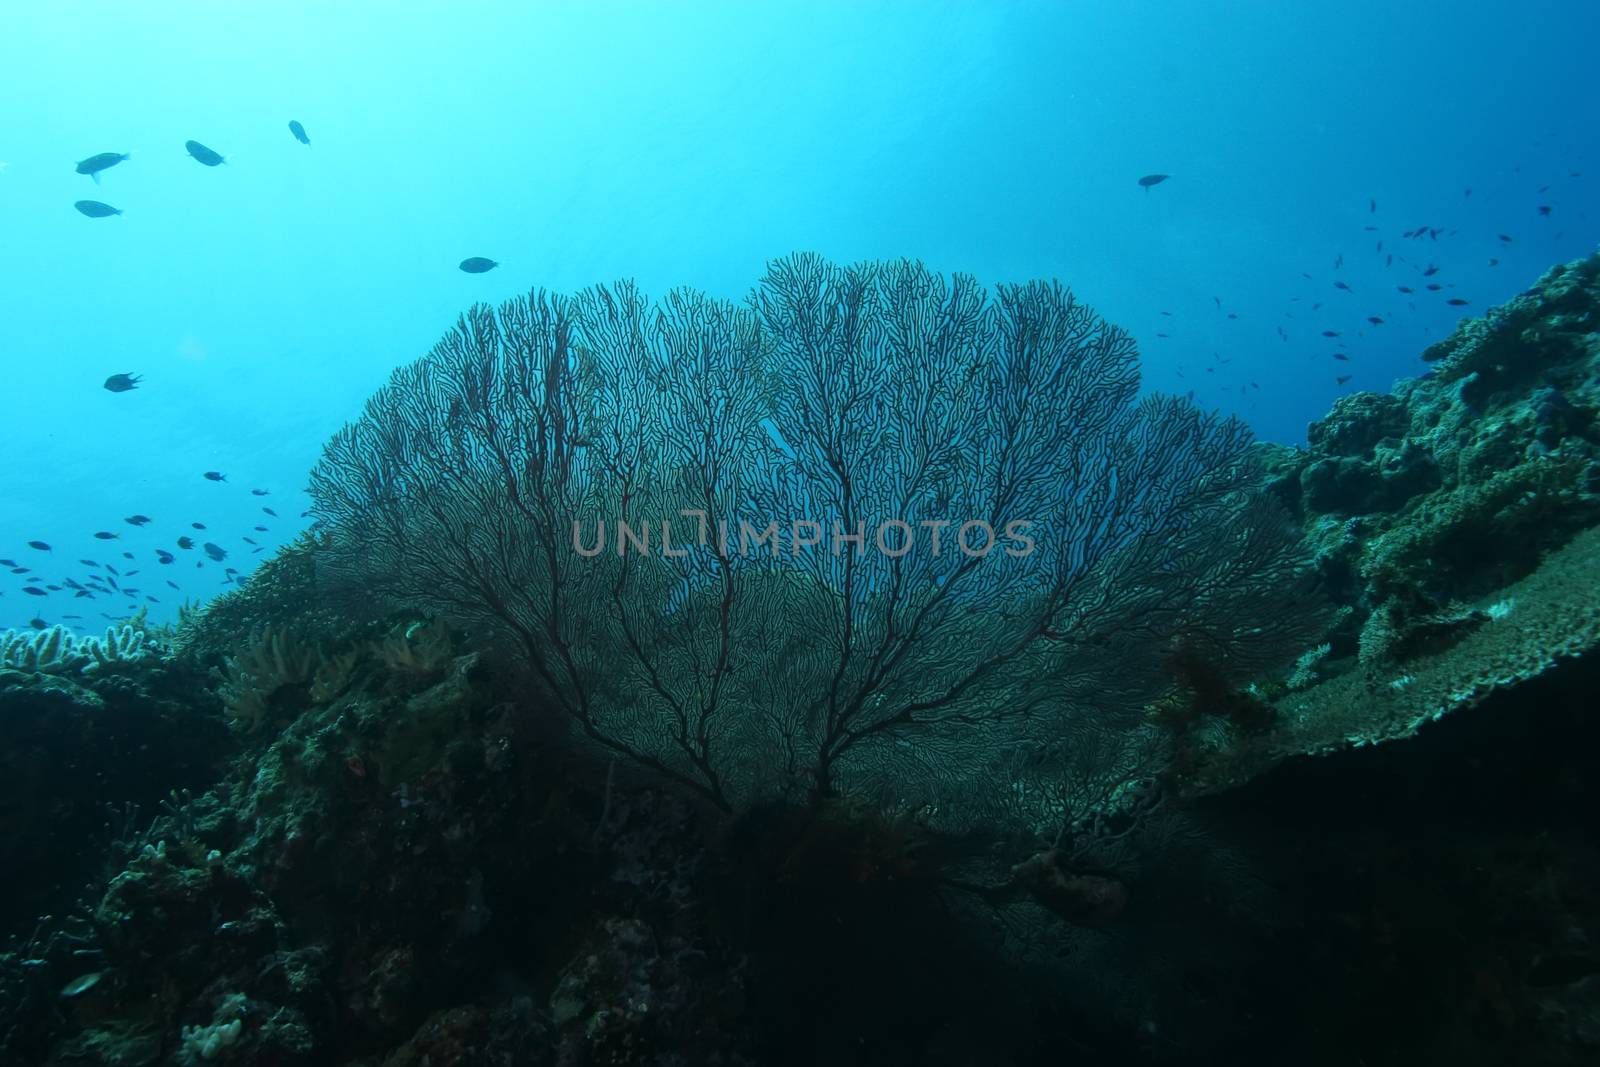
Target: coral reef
{"type": "Point", "coordinates": [278, 834]}
{"type": "Point", "coordinates": [1453, 522]}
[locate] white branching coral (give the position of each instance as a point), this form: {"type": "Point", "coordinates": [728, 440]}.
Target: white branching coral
{"type": "Point", "coordinates": [58, 651]}
{"type": "Point", "coordinates": [117, 647]}
{"type": "Point", "coordinates": [52, 651]}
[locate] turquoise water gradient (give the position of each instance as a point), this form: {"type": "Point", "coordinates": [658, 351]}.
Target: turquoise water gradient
{"type": "Point", "coordinates": [264, 300]}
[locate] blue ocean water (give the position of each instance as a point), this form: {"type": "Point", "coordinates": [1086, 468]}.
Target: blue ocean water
{"type": "Point", "coordinates": [263, 300]}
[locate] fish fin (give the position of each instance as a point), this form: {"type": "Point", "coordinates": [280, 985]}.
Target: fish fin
{"type": "Point", "coordinates": [94, 176]}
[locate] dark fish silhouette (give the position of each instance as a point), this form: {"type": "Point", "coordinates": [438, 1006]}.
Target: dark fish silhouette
{"type": "Point", "coordinates": [186, 543]}
{"type": "Point", "coordinates": [1341, 379]}
{"type": "Point", "coordinates": [1342, 285]}
{"type": "Point", "coordinates": [1431, 271]}
{"type": "Point", "coordinates": [1544, 209]}
{"type": "Point", "coordinates": [97, 163]}
{"type": "Point", "coordinates": [269, 511]}
{"type": "Point", "coordinates": [1372, 205]}
{"type": "Point", "coordinates": [1330, 333]}
{"type": "Point", "coordinates": [40, 545]}
{"type": "Point", "coordinates": [1374, 320]}
{"type": "Point", "coordinates": [31, 591]}
{"type": "Point", "coordinates": [203, 154]}
{"type": "Point", "coordinates": [1506, 238]}
{"type": "Point", "coordinates": [299, 131]}
{"type": "Point", "coordinates": [104, 535]}
{"type": "Point", "coordinates": [478, 265]}
{"type": "Point", "coordinates": [1153, 179]}
{"type": "Point", "coordinates": [259, 492]}
{"type": "Point", "coordinates": [1341, 357]}
{"type": "Point", "coordinates": [121, 383]}
{"type": "Point", "coordinates": [216, 552]}
{"type": "Point", "coordinates": [136, 520]}
{"type": "Point", "coordinates": [95, 209]}
{"type": "Point", "coordinates": [8, 563]}
{"type": "Point", "coordinates": [198, 525]}
{"type": "Point", "coordinates": [215, 476]}
{"type": "Point", "coordinates": [1456, 301]}
{"type": "Point", "coordinates": [163, 556]}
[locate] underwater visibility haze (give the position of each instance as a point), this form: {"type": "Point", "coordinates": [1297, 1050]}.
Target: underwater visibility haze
{"type": "Point", "coordinates": [799, 532]}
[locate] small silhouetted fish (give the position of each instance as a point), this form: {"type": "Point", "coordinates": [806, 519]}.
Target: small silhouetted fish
{"type": "Point", "coordinates": [1434, 287]}
{"type": "Point", "coordinates": [113, 570]}
{"type": "Point", "coordinates": [1404, 288]}
{"type": "Point", "coordinates": [1506, 238]}
{"type": "Point", "coordinates": [215, 476]}
{"type": "Point", "coordinates": [1544, 209]}
{"type": "Point", "coordinates": [8, 563]}
{"type": "Point", "coordinates": [186, 543]}
{"type": "Point", "coordinates": [1341, 379]}
{"type": "Point", "coordinates": [1372, 205]}
{"type": "Point", "coordinates": [136, 520]}
{"type": "Point", "coordinates": [127, 555]}
{"type": "Point", "coordinates": [261, 529]}
{"type": "Point", "coordinates": [103, 535]}
{"type": "Point", "coordinates": [1163, 335]}
{"type": "Point", "coordinates": [163, 556]}
{"type": "Point", "coordinates": [88, 563]}
{"type": "Point", "coordinates": [216, 552]}
{"type": "Point", "coordinates": [173, 583]}
{"type": "Point", "coordinates": [39, 624]}
{"type": "Point", "coordinates": [478, 265]}
{"type": "Point", "coordinates": [1456, 301]}
{"type": "Point", "coordinates": [97, 163]}
{"type": "Point", "coordinates": [1374, 320]}
{"type": "Point", "coordinates": [269, 511]}
{"type": "Point", "coordinates": [31, 591]}
{"type": "Point", "coordinates": [246, 540]}
{"type": "Point", "coordinates": [121, 383]}
{"type": "Point", "coordinates": [1431, 271]}
{"type": "Point", "coordinates": [95, 209]}
{"type": "Point", "coordinates": [1330, 333]}
{"type": "Point", "coordinates": [40, 545]}
{"type": "Point", "coordinates": [203, 154]}
{"type": "Point", "coordinates": [20, 570]}
{"type": "Point", "coordinates": [1153, 179]}
{"type": "Point", "coordinates": [1494, 262]}
{"type": "Point", "coordinates": [299, 131]}
{"type": "Point", "coordinates": [1341, 285]}
{"type": "Point", "coordinates": [198, 525]}
{"type": "Point", "coordinates": [1341, 357]}
{"type": "Point", "coordinates": [259, 492]}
